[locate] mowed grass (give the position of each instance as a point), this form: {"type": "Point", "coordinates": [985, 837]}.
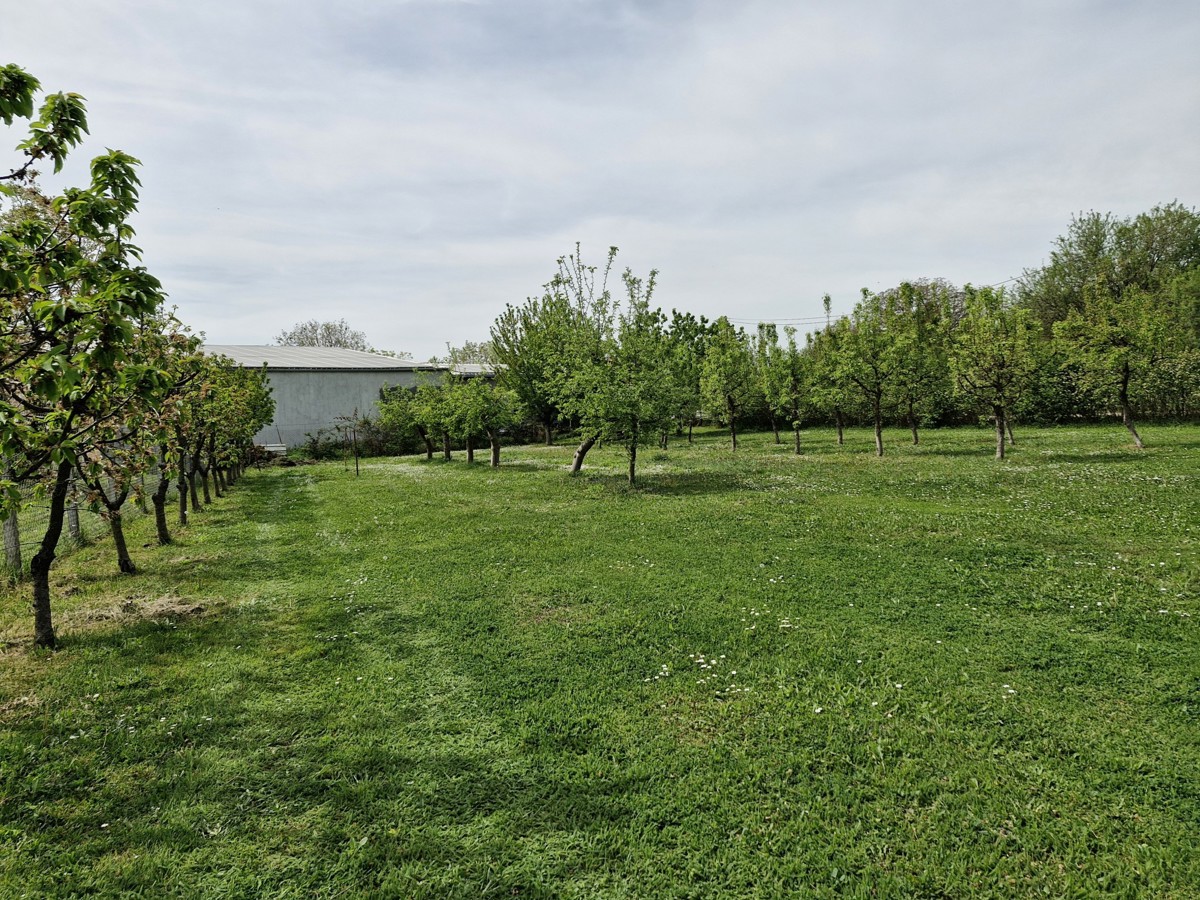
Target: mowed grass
{"type": "Point", "coordinates": [757, 675]}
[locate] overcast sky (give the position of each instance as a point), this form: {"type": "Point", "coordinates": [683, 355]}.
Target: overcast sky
{"type": "Point", "coordinates": [414, 166]}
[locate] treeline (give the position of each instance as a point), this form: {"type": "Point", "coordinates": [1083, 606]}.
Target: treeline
{"type": "Point", "coordinates": [1108, 327]}
{"type": "Point", "coordinates": [100, 384]}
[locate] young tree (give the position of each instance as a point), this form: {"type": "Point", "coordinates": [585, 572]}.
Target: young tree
{"type": "Point", "coordinates": [771, 368]}
{"type": "Point", "coordinates": [727, 381]}
{"type": "Point", "coordinates": [867, 356]}
{"type": "Point", "coordinates": [918, 329]}
{"type": "Point", "coordinates": [792, 386]}
{"type": "Point", "coordinates": [992, 356]}
{"type": "Point", "coordinates": [398, 412]}
{"type": "Point", "coordinates": [688, 337]}
{"type": "Point", "coordinates": [528, 343]}
{"type": "Point", "coordinates": [71, 297]}
{"type": "Point", "coordinates": [622, 391]}
{"type": "Point", "coordinates": [1118, 343]}
{"type": "Point", "coordinates": [832, 391]}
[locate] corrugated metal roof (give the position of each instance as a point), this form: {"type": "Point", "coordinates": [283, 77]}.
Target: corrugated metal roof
{"type": "Point", "coordinates": [327, 358]}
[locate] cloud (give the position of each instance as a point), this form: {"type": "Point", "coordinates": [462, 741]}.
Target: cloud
{"type": "Point", "coordinates": [414, 166]}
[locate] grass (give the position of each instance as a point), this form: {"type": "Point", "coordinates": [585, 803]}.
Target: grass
{"type": "Point", "coordinates": [757, 675]}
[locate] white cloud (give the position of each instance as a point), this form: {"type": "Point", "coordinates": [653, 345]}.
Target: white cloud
{"type": "Point", "coordinates": [412, 167]}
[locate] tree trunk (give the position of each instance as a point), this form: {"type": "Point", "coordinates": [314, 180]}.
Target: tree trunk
{"type": "Point", "coordinates": [691, 425]}
{"type": "Point", "coordinates": [12, 547]}
{"type": "Point", "coordinates": [912, 423]}
{"type": "Point", "coordinates": [1127, 409]}
{"type": "Point", "coordinates": [733, 432]}
{"type": "Point", "coordinates": [841, 425]}
{"type": "Point", "coordinates": [775, 430]}
{"type": "Point", "coordinates": [494, 440]}
{"type": "Point", "coordinates": [204, 484]}
{"type": "Point", "coordinates": [877, 410]}
{"type": "Point", "coordinates": [999, 414]}
{"type": "Point", "coordinates": [182, 489]}
{"type": "Point", "coordinates": [446, 446]}
{"type": "Point", "coordinates": [219, 481]}
{"type": "Point", "coordinates": [633, 462]}
{"type": "Point", "coordinates": [39, 566]}
{"type": "Point", "coordinates": [470, 451]}
{"type": "Point", "coordinates": [74, 529]}
{"type": "Point", "coordinates": [428, 443]}
{"type": "Point", "coordinates": [548, 425]}
{"type": "Point", "coordinates": [1012, 441]}
{"type": "Point", "coordinates": [124, 563]}
{"type": "Point", "coordinates": [159, 498]}
{"type": "Point", "coordinates": [192, 492]}
{"type": "Point", "coordinates": [580, 452]}
{"type": "Point", "coordinates": [797, 430]}
{"type": "Point", "coordinates": [662, 444]}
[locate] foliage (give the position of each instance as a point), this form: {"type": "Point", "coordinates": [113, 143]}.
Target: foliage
{"type": "Point", "coordinates": [324, 334]}
{"type": "Point", "coordinates": [72, 299]}
{"type": "Point", "coordinates": [728, 386]}
{"type": "Point", "coordinates": [993, 356]}
{"type": "Point", "coordinates": [1107, 257]}
{"type": "Point", "coordinates": [470, 353]}
{"type": "Point", "coordinates": [620, 388]}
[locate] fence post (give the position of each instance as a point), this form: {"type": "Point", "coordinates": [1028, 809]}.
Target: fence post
{"type": "Point", "coordinates": [73, 527]}
{"type": "Point", "coordinates": [12, 547]}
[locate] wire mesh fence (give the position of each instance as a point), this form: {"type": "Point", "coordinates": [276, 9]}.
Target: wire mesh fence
{"type": "Point", "coordinates": [84, 523]}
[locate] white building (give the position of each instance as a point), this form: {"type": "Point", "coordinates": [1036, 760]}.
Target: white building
{"type": "Point", "coordinates": [313, 386]}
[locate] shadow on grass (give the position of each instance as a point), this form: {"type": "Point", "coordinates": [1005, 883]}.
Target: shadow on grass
{"type": "Point", "coordinates": [678, 483]}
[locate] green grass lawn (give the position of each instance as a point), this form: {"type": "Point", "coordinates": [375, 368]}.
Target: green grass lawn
{"type": "Point", "coordinates": [757, 675]}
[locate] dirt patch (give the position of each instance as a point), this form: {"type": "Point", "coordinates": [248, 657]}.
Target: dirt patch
{"type": "Point", "coordinates": [134, 608]}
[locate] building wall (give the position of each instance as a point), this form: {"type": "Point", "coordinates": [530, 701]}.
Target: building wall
{"type": "Point", "coordinates": [306, 401]}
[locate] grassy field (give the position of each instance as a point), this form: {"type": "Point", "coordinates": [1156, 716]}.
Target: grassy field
{"type": "Point", "coordinates": [758, 675]}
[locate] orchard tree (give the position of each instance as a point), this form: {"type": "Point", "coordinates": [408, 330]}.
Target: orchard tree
{"type": "Point", "coordinates": [771, 370]}
{"type": "Point", "coordinates": [727, 382]}
{"type": "Point", "coordinates": [71, 297]}
{"type": "Point", "coordinates": [528, 343]}
{"type": "Point", "coordinates": [398, 412]}
{"type": "Point", "coordinates": [832, 391]}
{"type": "Point", "coordinates": [791, 385]}
{"type": "Point", "coordinates": [993, 355]}
{"type": "Point", "coordinates": [1118, 344]}
{"type": "Point", "coordinates": [622, 391]}
{"type": "Point", "coordinates": [918, 329]}
{"type": "Point", "coordinates": [688, 339]}
{"type": "Point", "coordinates": [867, 356]}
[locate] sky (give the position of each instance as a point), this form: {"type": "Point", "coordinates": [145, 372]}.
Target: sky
{"type": "Point", "coordinates": [412, 166]}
